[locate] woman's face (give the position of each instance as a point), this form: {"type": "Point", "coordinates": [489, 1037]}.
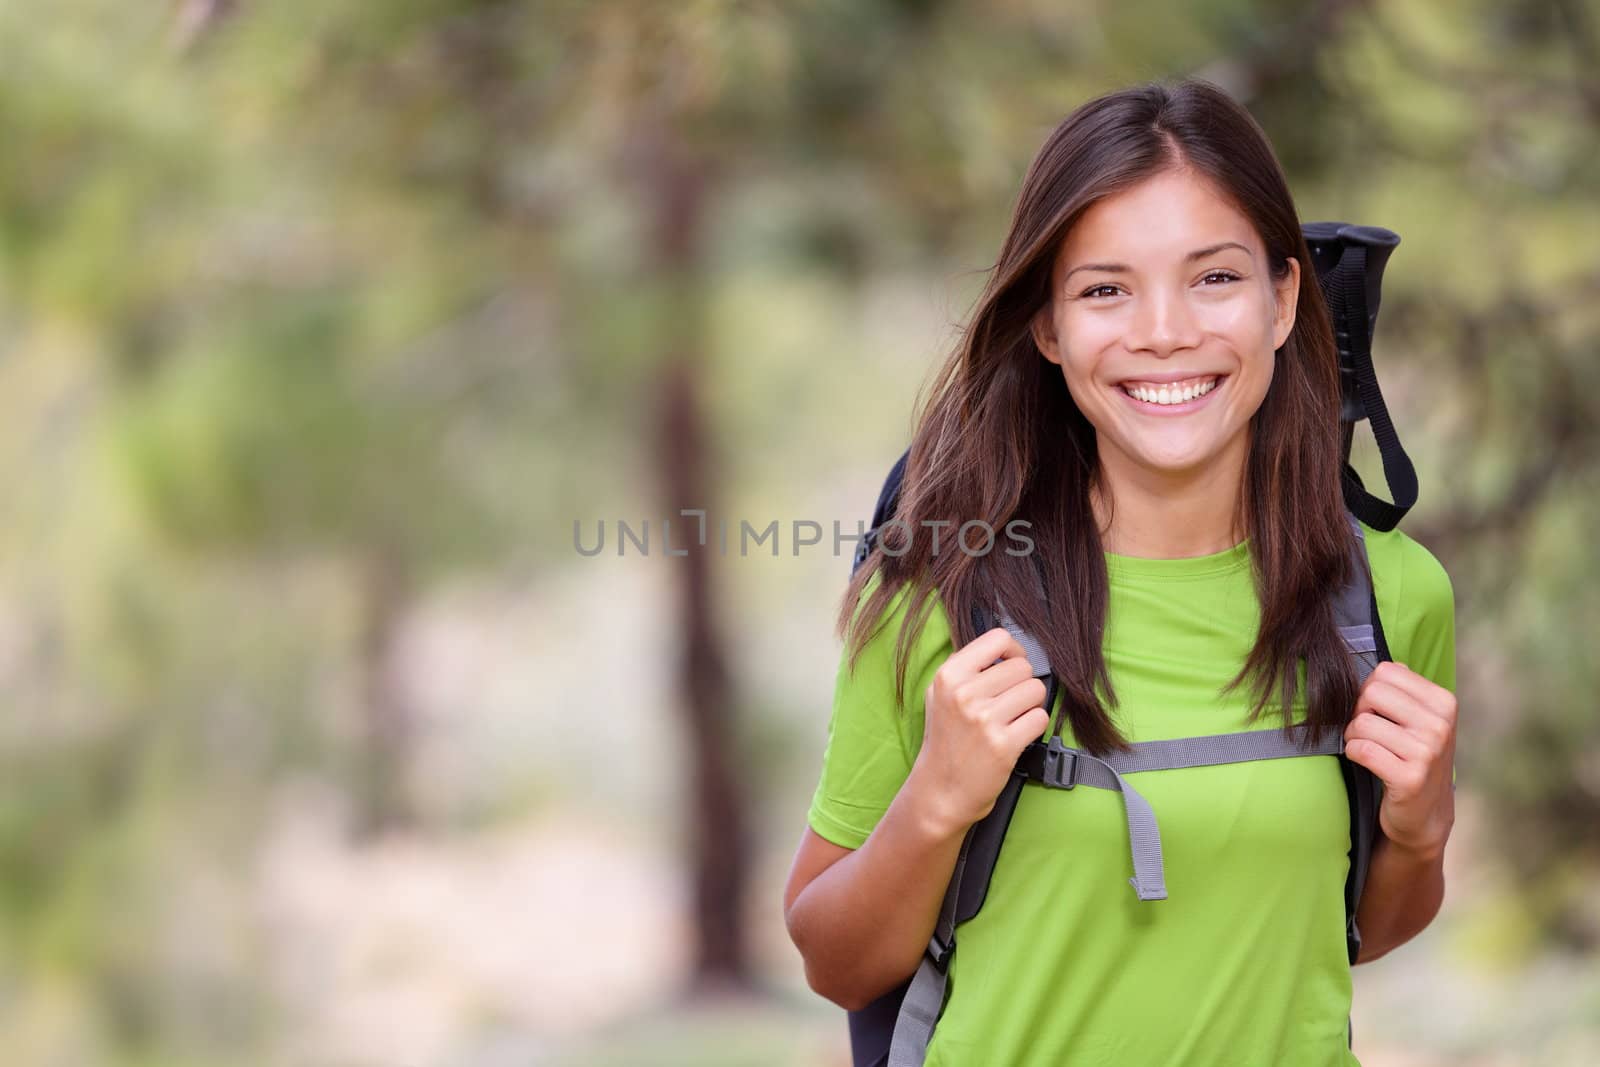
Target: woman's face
{"type": "Point", "coordinates": [1164, 319]}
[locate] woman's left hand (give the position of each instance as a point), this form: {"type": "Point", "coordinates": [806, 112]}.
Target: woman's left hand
{"type": "Point", "coordinates": [1404, 731]}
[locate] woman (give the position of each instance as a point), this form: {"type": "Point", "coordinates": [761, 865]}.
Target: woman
{"type": "Point", "coordinates": [1149, 381]}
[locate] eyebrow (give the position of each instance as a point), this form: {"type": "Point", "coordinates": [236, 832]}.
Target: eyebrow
{"type": "Point", "coordinates": [1123, 268]}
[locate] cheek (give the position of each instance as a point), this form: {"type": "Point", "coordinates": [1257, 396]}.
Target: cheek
{"type": "Point", "coordinates": [1087, 394]}
{"type": "Point", "coordinates": [1085, 340]}
{"type": "Point", "coordinates": [1242, 322]}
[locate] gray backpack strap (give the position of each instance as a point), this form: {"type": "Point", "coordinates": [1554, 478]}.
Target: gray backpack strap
{"type": "Point", "coordinates": [1356, 615]}
{"type": "Point", "coordinates": [1057, 766]}
{"type": "Point", "coordinates": [1355, 612]}
{"type": "Point", "coordinates": [969, 882]}
{"type": "Point", "coordinates": [924, 999]}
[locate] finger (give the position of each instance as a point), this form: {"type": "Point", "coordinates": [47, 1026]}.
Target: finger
{"type": "Point", "coordinates": [1436, 699]}
{"type": "Point", "coordinates": [1395, 704]}
{"type": "Point", "coordinates": [1408, 681]}
{"type": "Point", "coordinates": [1395, 738]}
{"type": "Point", "coordinates": [983, 650]}
{"type": "Point", "coordinates": [1029, 726]}
{"type": "Point", "coordinates": [1375, 758]}
{"type": "Point", "coordinates": [965, 664]}
{"type": "Point", "coordinates": [1000, 676]}
{"type": "Point", "coordinates": [1018, 700]}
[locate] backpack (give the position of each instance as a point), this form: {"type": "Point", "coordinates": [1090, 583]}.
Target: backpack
{"type": "Point", "coordinates": [894, 1030]}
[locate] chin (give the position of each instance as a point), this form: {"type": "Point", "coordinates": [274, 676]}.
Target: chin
{"type": "Point", "coordinates": [1178, 462]}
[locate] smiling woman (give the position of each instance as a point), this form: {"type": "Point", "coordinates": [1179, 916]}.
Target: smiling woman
{"type": "Point", "coordinates": [1150, 380]}
{"type": "Point", "coordinates": [1160, 295]}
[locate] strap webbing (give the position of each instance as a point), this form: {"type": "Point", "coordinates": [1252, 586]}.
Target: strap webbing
{"type": "Point", "coordinates": [924, 1000]}
{"type": "Point", "coordinates": [1059, 767]}
{"type": "Point", "coordinates": [1353, 330]}
{"type": "Point", "coordinates": [1355, 612]}
{"type": "Point", "coordinates": [1055, 765]}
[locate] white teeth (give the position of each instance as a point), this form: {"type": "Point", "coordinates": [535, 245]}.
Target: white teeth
{"type": "Point", "coordinates": [1171, 394]}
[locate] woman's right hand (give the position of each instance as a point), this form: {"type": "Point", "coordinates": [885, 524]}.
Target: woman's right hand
{"type": "Point", "coordinates": [978, 716]}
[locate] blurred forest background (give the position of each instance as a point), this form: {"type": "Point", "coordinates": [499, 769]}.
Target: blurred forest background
{"type": "Point", "coordinates": [322, 323]}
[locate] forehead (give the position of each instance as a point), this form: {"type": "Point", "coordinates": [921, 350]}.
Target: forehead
{"type": "Point", "coordinates": [1163, 218]}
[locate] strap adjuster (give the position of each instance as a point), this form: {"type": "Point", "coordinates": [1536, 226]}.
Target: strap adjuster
{"type": "Point", "coordinates": [1060, 767]}
{"type": "Point", "coordinates": [939, 951]}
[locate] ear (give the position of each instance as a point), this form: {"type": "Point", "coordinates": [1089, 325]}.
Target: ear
{"type": "Point", "coordinates": [1044, 334]}
{"type": "Point", "coordinates": [1286, 297]}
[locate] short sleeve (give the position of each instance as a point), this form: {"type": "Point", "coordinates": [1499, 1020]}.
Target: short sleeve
{"type": "Point", "coordinates": [1417, 605]}
{"type": "Point", "coordinates": [871, 745]}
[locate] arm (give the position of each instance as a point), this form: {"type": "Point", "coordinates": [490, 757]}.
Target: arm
{"type": "Point", "coordinates": [1404, 731]}
{"type": "Point", "coordinates": [862, 920]}
{"type": "Point", "coordinates": [1403, 893]}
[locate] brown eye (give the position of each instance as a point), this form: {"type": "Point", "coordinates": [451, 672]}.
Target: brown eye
{"type": "Point", "coordinates": [1095, 289]}
{"type": "Point", "coordinates": [1225, 275]}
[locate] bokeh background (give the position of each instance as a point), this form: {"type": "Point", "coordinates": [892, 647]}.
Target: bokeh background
{"type": "Point", "coordinates": [322, 324]}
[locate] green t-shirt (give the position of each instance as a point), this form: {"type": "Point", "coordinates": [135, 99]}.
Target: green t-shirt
{"type": "Point", "coordinates": [1244, 964]}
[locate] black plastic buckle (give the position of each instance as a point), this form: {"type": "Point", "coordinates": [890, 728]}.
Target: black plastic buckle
{"type": "Point", "coordinates": [1054, 774]}
{"type": "Point", "coordinates": [939, 952]}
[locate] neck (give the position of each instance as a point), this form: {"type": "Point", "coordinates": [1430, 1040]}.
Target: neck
{"type": "Point", "coordinates": [1169, 515]}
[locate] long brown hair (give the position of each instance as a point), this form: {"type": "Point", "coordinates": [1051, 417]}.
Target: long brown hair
{"type": "Point", "coordinates": [999, 438]}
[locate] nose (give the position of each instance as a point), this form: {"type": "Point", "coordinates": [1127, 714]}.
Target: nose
{"type": "Point", "coordinates": [1163, 324]}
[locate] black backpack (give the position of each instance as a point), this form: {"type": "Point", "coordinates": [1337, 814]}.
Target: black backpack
{"type": "Point", "coordinates": [1349, 262]}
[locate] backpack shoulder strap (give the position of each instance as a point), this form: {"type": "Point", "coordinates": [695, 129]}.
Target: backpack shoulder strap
{"type": "Point", "coordinates": [969, 884]}
{"type": "Point", "coordinates": [1356, 613]}
{"type": "Point", "coordinates": [888, 501]}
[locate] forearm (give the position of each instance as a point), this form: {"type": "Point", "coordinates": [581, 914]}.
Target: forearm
{"type": "Point", "coordinates": [1402, 895]}
{"type": "Point", "coordinates": [863, 925]}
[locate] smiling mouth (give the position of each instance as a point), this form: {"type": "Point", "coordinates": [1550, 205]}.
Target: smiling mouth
{"type": "Point", "coordinates": [1172, 394]}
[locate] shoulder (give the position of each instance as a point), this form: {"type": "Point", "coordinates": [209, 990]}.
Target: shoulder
{"type": "Point", "coordinates": [1406, 572]}
{"type": "Point", "coordinates": [871, 746]}
{"type": "Point", "coordinates": [1416, 603]}
{"type": "Point", "coordinates": [931, 639]}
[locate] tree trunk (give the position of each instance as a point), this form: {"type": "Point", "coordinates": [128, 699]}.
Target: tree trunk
{"type": "Point", "coordinates": [677, 190]}
{"type": "Point", "coordinates": [384, 802]}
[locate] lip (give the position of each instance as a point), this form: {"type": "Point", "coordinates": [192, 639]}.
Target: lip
{"type": "Point", "coordinates": [1144, 407]}
{"type": "Point", "coordinates": [1168, 377]}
